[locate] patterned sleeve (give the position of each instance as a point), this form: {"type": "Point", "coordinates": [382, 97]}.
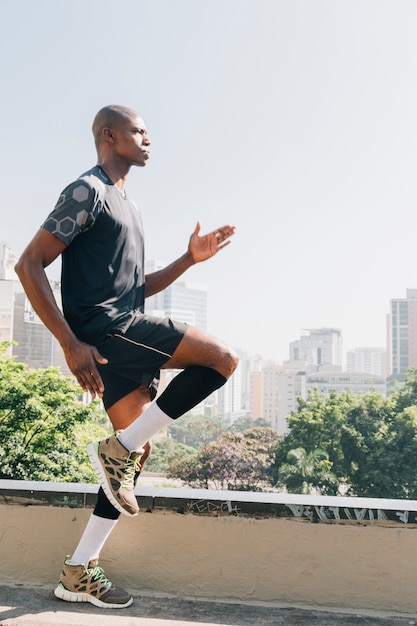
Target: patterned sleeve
{"type": "Point", "coordinates": [76, 211]}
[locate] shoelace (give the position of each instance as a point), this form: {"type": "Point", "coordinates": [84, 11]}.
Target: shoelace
{"type": "Point", "coordinates": [97, 573]}
{"type": "Point", "coordinates": [131, 467]}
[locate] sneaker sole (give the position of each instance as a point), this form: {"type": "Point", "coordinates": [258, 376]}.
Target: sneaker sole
{"type": "Point", "coordinates": [92, 450]}
{"type": "Point", "coordinates": [69, 596]}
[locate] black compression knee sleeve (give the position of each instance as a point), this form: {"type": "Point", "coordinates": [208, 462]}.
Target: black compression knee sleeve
{"type": "Point", "coordinates": [188, 389]}
{"type": "Point", "coordinates": [104, 507]}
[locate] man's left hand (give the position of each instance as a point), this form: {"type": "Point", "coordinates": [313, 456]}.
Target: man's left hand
{"type": "Point", "coordinates": [202, 247]}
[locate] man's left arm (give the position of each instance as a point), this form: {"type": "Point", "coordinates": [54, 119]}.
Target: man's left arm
{"type": "Point", "coordinates": [200, 248]}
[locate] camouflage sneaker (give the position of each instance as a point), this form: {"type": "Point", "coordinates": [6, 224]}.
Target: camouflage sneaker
{"type": "Point", "coordinates": [78, 583]}
{"type": "Point", "coordinates": [115, 467]}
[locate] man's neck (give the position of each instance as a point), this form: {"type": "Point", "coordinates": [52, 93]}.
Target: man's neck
{"type": "Point", "coordinates": [117, 174]}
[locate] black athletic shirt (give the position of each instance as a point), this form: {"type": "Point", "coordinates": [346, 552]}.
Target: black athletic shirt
{"type": "Point", "coordinates": [102, 279]}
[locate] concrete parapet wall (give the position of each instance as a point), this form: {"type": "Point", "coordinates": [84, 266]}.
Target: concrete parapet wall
{"type": "Point", "coordinates": [344, 552]}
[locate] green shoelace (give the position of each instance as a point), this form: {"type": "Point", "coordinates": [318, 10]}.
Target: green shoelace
{"type": "Point", "coordinates": [97, 573]}
{"type": "Point", "coordinates": [132, 466]}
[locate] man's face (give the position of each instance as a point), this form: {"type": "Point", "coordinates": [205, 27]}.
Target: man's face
{"type": "Point", "coordinates": [131, 141]}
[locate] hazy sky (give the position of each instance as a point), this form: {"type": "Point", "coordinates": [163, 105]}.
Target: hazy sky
{"type": "Point", "coordinates": [296, 120]}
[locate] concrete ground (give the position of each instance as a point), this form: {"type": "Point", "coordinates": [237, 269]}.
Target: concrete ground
{"type": "Point", "coordinates": [37, 606]}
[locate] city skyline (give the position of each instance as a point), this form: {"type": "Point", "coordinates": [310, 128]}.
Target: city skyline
{"type": "Point", "coordinates": [295, 121]}
{"type": "Point", "coordinates": [188, 301]}
{"type": "Point", "coordinates": [258, 388]}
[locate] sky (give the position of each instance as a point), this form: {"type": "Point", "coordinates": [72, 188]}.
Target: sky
{"type": "Point", "coordinates": [295, 120]}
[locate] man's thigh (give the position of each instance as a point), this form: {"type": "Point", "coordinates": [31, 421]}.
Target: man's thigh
{"type": "Point", "coordinates": [200, 348]}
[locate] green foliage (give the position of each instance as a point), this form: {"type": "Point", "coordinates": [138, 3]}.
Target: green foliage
{"type": "Point", "coordinates": [40, 417]}
{"type": "Point", "coordinates": [195, 430]}
{"type": "Point", "coordinates": [164, 452]}
{"type": "Point", "coordinates": [308, 472]}
{"type": "Point", "coordinates": [370, 441]}
{"type": "Point", "coordinates": [243, 423]}
{"type": "Point", "coordinates": [236, 461]}
{"type": "Point", "coordinates": [319, 425]}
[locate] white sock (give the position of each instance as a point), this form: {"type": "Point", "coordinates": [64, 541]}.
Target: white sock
{"type": "Point", "coordinates": [143, 428]}
{"type": "Point", "coordinates": [93, 539]}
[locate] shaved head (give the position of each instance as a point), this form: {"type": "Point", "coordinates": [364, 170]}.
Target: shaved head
{"type": "Point", "coordinates": [111, 116]}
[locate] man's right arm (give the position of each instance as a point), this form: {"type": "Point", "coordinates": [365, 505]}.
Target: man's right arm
{"type": "Point", "coordinates": [81, 358]}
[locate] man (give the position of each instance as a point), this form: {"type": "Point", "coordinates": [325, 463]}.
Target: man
{"type": "Point", "coordinates": [113, 349]}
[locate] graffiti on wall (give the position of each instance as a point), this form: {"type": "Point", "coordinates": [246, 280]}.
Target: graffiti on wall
{"type": "Point", "coordinates": [308, 512]}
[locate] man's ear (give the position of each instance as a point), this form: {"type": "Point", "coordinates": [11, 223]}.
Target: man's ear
{"type": "Point", "coordinates": [108, 134]}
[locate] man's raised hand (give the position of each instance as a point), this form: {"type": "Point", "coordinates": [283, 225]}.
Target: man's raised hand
{"type": "Point", "coordinates": [202, 247]}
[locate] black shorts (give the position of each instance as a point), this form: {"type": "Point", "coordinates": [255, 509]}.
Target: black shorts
{"type": "Point", "coordinates": [136, 355]}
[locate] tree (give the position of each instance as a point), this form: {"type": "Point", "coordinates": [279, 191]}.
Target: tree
{"type": "Point", "coordinates": [195, 430]}
{"type": "Point", "coordinates": [307, 472]}
{"type": "Point", "coordinates": [319, 424]}
{"type": "Point", "coordinates": [380, 444]}
{"type": "Point", "coordinates": [236, 461]}
{"type": "Point", "coordinates": [245, 422]}
{"type": "Point", "coordinates": [371, 441]}
{"type": "Point", "coordinates": [364, 443]}
{"type": "Point", "coordinates": [40, 414]}
{"type": "Point", "coordinates": [165, 451]}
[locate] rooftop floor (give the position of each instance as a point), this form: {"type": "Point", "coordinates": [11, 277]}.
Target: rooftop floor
{"type": "Point", "coordinates": [37, 606]}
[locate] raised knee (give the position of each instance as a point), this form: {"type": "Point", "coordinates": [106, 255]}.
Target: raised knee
{"type": "Point", "coordinates": [231, 362]}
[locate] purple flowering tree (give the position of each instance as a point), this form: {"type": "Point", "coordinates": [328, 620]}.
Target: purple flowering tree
{"type": "Point", "coordinates": [237, 461]}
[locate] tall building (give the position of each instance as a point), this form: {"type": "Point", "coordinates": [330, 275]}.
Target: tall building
{"type": "Point", "coordinates": [183, 301]}
{"type": "Point", "coordinates": [249, 365]}
{"type": "Point", "coordinates": [402, 334]}
{"type": "Point", "coordinates": [34, 343]}
{"type": "Point", "coordinates": [10, 292]}
{"type": "Point", "coordinates": [7, 262]}
{"type": "Point", "coordinates": [229, 397]}
{"type": "Point", "coordinates": [367, 360]}
{"type": "Point", "coordinates": [256, 399]}
{"type": "Point", "coordinates": [282, 385]}
{"type": "Point", "coordinates": [358, 383]}
{"type": "Point", "coordinates": [186, 302]}
{"type": "Point", "coordinates": [322, 346]}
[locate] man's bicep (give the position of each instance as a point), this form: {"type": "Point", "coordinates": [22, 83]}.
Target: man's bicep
{"type": "Point", "coordinates": [44, 248]}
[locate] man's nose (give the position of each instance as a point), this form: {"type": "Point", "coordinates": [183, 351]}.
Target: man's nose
{"type": "Point", "coordinates": [146, 140]}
